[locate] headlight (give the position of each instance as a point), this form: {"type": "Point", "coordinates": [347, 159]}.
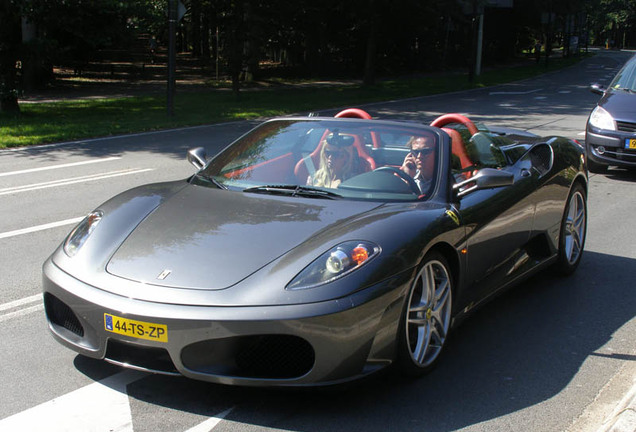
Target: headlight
{"type": "Point", "coordinates": [335, 263]}
{"type": "Point", "coordinates": [80, 234]}
{"type": "Point", "coordinates": [602, 119]}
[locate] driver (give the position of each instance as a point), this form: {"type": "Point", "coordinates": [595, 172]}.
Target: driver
{"type": "Point", "coordinates": [420, 162]}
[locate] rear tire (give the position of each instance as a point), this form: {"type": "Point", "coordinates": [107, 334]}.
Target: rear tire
{"type": "Point", "coordinates": [573, 231]}
{"type": "Point", "coordinates": [425, 321]}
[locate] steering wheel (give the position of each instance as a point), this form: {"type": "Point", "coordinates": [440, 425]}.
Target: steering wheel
{"type": "Point", "coordinates": [455, 118]}
{"type": "Point", "coordinates": [404, 176]}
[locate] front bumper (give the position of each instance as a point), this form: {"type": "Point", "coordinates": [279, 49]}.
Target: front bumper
{"type": "Point", "coordinates": [612, 143]}
{"type": "Point", "coordinates": [288, 345]}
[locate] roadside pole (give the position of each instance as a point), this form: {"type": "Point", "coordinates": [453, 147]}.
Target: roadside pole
{"type": "Point", "coordinates": [172, 28]}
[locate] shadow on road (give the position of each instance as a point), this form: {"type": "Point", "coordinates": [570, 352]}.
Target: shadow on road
{"type": "Point", "coordinates": [520, 350]}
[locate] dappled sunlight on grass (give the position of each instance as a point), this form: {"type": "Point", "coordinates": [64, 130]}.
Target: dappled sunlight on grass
{"type": "Point", "coordinates": [69, 120]}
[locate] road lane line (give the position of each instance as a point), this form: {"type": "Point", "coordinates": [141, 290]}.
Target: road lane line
{"type": "Point", "coordinates": [210, 423]}
{"type": "Point", "coordinates": [19, 313]}
{"type": "Point", "coordinates": [67, 165]}
{"type": "Point", "coordinates": [101, 406]}
{"type": "Point", "coordinates": [40, 227]}
{"type": "Point", "coordinates": [20, 302]}
{"type": "Point", "coordinates": [514, 92]}
{"type": "Point", "coordinates": [69, 181]}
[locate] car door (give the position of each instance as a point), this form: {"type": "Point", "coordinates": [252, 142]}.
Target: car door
{"type": "Point", "coordinates": [499, 223]}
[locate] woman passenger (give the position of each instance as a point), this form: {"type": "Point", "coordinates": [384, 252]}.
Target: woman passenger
{"type": "Point", "coordinates": [338, 162]}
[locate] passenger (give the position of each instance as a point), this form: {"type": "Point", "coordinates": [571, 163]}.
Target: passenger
{"type": "Point", "coordinates": [338, 162]}
{"type": "Point", "coordinates": [420, 162]}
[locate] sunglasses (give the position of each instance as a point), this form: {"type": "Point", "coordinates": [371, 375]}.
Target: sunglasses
{"type": "Point", "coordinates": [334, 153]}
{"type": "Point", "coordinates": [422, 152]}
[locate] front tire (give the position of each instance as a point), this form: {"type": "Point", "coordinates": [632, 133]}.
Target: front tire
{"type": "Point", "coordinates": [573, 231]}
{"type": "Point", "coordinates": [426, 318]}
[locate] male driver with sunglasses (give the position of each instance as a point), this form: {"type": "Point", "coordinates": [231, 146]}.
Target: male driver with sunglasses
{"type": "Point", "coordinates": [420, 163]}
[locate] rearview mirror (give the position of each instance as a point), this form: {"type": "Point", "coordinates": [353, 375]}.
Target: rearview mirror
{"type": "Point", "coordinates": [597, 89]}
{"type": "Point", "coordinates": [486, 178]}
{"type": "Point", "coordinates": [197, 157]}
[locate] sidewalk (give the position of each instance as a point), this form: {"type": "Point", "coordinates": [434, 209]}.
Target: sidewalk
{"type": "Point", "coordinates": [623, 418]}
{"type": "Point", "coordinates": [614, 408]}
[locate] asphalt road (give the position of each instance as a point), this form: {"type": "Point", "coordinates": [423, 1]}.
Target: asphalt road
{"type": "Point", "coordinates": [551, 355]}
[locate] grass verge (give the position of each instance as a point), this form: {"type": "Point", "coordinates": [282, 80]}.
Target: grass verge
{"type": "Point", "coordinates": [40, 123]}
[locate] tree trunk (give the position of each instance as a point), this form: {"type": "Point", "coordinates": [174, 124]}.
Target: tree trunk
{"type": "Point", "coordinates": [195, 13]}
{"type": "Point", "coordinates": [369, 63]}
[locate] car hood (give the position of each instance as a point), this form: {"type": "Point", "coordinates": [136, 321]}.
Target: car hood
{"type": "Point", "coordinates": [620, 104]}
{"type": "Point", "coordinates": [203, 238]}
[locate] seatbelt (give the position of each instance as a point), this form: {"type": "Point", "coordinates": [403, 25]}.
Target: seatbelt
{"type": "Point", "coordinates": [309, 163]}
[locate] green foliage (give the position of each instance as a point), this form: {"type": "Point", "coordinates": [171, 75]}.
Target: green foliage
{"type": "Point", "coordinates": [304, 38]}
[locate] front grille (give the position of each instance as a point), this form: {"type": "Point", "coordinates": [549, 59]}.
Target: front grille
{"type": "Point", "coordinates": [626, 126]}
{"type": "Point", "coordinates": [260, 356]}
{"type": "Point", "coordinates": [62, 315]}
{"type": "Point", "coordinates": [154, 359]}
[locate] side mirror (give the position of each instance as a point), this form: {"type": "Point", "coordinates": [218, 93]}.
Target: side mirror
{"type": "Point", "coordinates": [597, 89]}
{"type": "Point", "coordinates": [486, 178]}
{"type": "Point", "coordinates": [197, 157]}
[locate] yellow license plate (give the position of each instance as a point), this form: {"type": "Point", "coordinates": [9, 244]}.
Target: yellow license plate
{"type": "Point", "coordinates": [136, 329]}
{"type": "Point", "coordinates": [630, 143]}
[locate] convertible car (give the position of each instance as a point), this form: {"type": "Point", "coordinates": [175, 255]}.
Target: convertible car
{"type": "Point", "coordinates": [247, 274]}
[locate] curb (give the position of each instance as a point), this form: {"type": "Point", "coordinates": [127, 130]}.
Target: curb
{"type": "Point", "coordinates": [623, 418]}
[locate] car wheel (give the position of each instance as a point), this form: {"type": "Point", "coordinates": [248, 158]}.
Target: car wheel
{"type": "Point", "coordinates": [573, 229]}
{"type": "Point", "coordinates": [596, 168]}
{"type": "Point", "coordinates": [426, 317]}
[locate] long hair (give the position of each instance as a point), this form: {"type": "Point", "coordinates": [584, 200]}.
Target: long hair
{"type": "Point", "coordinates": [323, 176]}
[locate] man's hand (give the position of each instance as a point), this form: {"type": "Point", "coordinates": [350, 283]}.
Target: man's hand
{"type": "Point", "coordinates": [409, 166]}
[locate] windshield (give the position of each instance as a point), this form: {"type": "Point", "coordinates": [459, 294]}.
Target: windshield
{"type": "Point", "coordinates": [626, 78]}
{"type": "Point", "coordinates": [347, 158]}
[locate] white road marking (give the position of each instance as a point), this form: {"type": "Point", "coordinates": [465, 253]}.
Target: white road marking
{"type": "Point", "coordinates": [98, 407]}
{"type": "Point", "coordinates": [69, 181]}
{"type": "Point", "coordinates": [514, 93]}
{"type": "Point", "coordinates": [21, 312]}
{"type": "Point", "coordinates": [40, 227]}
{"type": "Point", "coordinates": [210, 423]}
{"type": "Point", "coordinates": [35, 302]}
{"type": "Point", "coordinates": [67, 165]}
{"type": "Point", "coordinates": [20, 302]}
{"type": "Point", "coordinates": [101, 406]}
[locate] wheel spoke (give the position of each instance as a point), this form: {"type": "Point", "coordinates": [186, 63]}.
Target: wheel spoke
{"type": "Point", "coordinates": [439, 330]}
{"type": "Point", "coordinates": [423, 339]}
{"type": "Point", "coordinates": [429, 285]}
{"type": "Point", "coordinates": [442, 294]}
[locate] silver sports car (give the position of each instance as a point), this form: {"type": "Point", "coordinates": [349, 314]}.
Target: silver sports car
{"type": "Point", "coordinates": [317, 250]}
